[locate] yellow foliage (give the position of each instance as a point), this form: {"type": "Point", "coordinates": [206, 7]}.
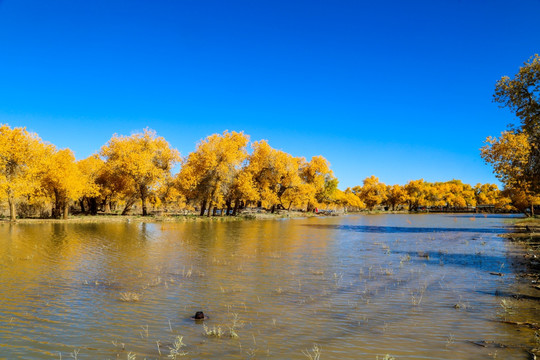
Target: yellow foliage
{"type": "Point", "coordinates": [349, 199]}
{"type": "Point", "coordinates": [21, 162]}
{"type": "Point", "coordinates": [372, 193]}
{"type": "Point", "coordinates": [209, 172]}
{"type": "Point", "coordinates": [509, 156]}
{"type": "Point", "coordinates": [91, 168]}
{"type": "Point", "coordinates": [395, 195]}
{"type": "Point", "coordinates": [62, 180]}
{"type": "Point", "coordinates": [276, 176]}
{"type": "Point", "coordinates": [139, 162]}
{"type": "Point", "coordinates": [317, 173]}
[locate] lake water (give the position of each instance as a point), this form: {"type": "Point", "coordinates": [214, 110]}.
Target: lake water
{"type": "Point", "coordinates": [356, 287]}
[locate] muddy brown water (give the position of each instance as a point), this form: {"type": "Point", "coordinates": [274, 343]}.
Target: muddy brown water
{"type": "Point", "coordinates": [357, 287]}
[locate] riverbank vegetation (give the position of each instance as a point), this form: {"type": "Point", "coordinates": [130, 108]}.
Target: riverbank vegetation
{"type": "Point", "coordinates": [221, 177]}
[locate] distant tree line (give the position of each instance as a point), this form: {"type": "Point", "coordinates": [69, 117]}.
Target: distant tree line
{"type": "Point", "coordinates": [220, 177]}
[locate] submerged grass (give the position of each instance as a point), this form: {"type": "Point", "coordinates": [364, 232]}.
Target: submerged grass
{"type": "Point", "coordinates": [314, 354]}
{"type": "Point", "coordinates": [227, 331]}
{"type": "Point", "coordinates": [130, 296]}
{"type": "Point", "coordinates": [176, 350]}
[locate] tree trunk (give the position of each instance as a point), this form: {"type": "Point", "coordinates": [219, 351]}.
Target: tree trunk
{"type": "Point", "coordinates": [12, 209]}
{"type": "Point", "coordinates": [273, 209]}
{"type": "Point", "coordinates": [209, 208]}
{"type": "Point", "coordinates": [107, 205]}
{"type": "Point", "coordinates": [143, 192]}
{"type": "Point", "coordinates": [81, 204]}
{"type": "Point", "coordinates": [144, 210]}
{"type": "Point", "coordinates": [92, 204]}
{"type": "Point", "coordinates": [214, 211]}
{"type": "Point", "coordinates": [57, 205]}
{"type": "Point", "coordinates": [65, 210]}
{"type": "Point", "coordinates": [229, 207]}
{"type": "Point", "coordinates": [129, 204]}
{"type": "Point", "coordinates": [126, 209]}
{"type": "Point", "coordinates": [236, 204]}
{"type": "Point", "coordinates": [532, 209]}
{"type": "Point", "coordinates": [203, 208]}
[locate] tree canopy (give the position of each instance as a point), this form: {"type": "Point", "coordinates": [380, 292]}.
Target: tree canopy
{"type": "Point", "coordinates": [515, 155]}
{"type": "Point", "coordinates": [140, 161]}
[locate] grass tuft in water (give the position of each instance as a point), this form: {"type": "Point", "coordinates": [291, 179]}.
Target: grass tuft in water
{"type": "Point", "coordinates": [75, 353]}
{"type": "Point", "coordinates": [214, 331]}
{"type": "Point", "coordinates": [314, 354]}
{"type": "Point", "coordinates": [176, 349]}
{"type": "Point", "coordinates": [130, 296]}
{"type": "Point", "coordinates": [506, 304]}
{"type": "Point", "coordinates": [218, 332]}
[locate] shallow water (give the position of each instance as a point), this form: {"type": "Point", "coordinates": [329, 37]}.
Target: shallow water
{"type": "Point", "coordinates": [413, 286]}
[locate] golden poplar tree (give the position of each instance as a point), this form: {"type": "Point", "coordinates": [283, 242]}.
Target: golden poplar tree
{"type": "Point", "coordinates": [208, 173]}
{"type": "Point", "coordinates": [91, 170]}
{"type": "Point", "coordinates": [318, 175]}
{"type": "Point", "coordinates": [62, 181]}
{"type": "Point", "coordinates": [139, 163]}
{"type": "Point", "coordinates": [417, 191]}
{"type": "Point", "coordinates": [21, 160]}
{"type": "Point", "coordinates": [372, 192]}
{"type": "Point", "coordinates": [510, 156]}
{"type": "Point", "coordinates": [276, 176]}
{"type": "Point", "coordinates": [395, 195]}
{"type": "Point", "coordinates": [489, 194]}
{"type": "Point", "coordinates": [515, 156]}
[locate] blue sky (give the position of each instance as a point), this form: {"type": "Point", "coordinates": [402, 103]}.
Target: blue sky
{"type": "Point", "coordinates": [397, 89]}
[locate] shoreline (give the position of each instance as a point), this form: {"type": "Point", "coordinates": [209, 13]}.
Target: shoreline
{"type": "Point", "coordinates": [526, 232]}
{"type": "Point", "coordinates": [113, 218]}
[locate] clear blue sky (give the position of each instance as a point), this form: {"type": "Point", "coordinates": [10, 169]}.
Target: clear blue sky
{"type": "Point", "coordinates": [397, 89]}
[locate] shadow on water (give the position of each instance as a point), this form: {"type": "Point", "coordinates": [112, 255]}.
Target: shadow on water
{"type": "Point", "coordinates": [490, 216]}
{"type": "Point", "coordinates": [405, 229]}
{"type": "Point", "coordinates": [517, 296]}
{"type": "Point", "coordinates": [478, 261]}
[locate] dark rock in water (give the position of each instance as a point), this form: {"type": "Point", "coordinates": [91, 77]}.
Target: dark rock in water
{"type": "Point", "coordinates": [199, 315]}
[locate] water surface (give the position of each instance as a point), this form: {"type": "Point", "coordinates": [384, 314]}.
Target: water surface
{"type": "Point", "coordinates": [413, 286]}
